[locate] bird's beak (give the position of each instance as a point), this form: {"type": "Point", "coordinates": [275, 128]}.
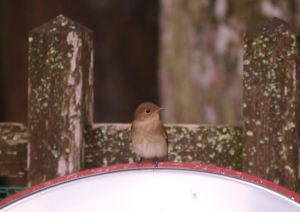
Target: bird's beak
{"type": "Point", "coordinates": [159, 109]}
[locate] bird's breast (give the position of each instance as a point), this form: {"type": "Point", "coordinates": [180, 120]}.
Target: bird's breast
{"type": "Point", "coordinates": [148, 140]}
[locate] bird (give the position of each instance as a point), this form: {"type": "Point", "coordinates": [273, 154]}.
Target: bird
{"type": "Point", "coordinates": [148, 134]}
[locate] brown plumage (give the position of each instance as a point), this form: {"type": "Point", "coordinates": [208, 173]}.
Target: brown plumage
{"type": "Point", "coordinates": [149, 137]}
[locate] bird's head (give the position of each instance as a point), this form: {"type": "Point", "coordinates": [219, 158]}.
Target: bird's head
{"type": "Point", "coordinates": [146, 112]}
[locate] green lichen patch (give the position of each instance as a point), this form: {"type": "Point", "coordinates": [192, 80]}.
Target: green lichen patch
{"type": "Point", "coordinates": [220, 146]}
{"type": "Point", "coordinates": [60, 97]}
{"type": "Point", "coordinates": [13, 150]}
{"type": "Point", "coordinates": [271, 81]}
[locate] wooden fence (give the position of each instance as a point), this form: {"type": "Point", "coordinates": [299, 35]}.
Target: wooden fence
{"type": "Point", "coordinates": [61, 138]}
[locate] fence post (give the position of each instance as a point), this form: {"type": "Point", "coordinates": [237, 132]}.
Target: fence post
{"type": "Point", "coordinates": [271, 102]}
{"type": "Point", "coordinates": [60, 97]}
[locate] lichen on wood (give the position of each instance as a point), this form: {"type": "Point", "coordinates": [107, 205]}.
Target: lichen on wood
{"type": "Point", "coordinates": [108, 144]}
{"type": "Point", "coordinates": [13, 150]}
{"type": "Point", "coordinates": [60, 97]}
{"type": "Point", "coordinates": [271, 102]}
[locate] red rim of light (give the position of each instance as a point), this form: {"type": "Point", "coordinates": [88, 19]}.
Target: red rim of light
{"type": "Point", "coordinates": [169, 165]}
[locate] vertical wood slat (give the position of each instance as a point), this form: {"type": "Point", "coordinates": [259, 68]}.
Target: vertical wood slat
{"type": "Point", "coordinates": [271, 102]}
{"type": "Point", "coordinates": [60, 97]}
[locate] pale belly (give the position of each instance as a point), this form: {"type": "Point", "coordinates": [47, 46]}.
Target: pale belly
{"type": "Point", "coordinates": [149, 143]}
{"type": "Point", "coordinates": [156, 149]}
{"type": "Point", "coordinates": [150, 150]}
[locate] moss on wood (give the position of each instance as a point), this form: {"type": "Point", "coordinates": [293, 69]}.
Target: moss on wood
{"type": "Point", "coordinates": [271, 102]}
{"type": "Point", "coordinates": [60, 97]}
{"type": "Point", "coordinates": [108, 144]}
{"type": "Point", "coordinates": [13, 150]}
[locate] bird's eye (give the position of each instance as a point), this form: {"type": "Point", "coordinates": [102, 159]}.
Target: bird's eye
{"type": "Point", "coordinates": [147, 111]}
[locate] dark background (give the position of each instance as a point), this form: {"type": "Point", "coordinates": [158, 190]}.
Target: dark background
{"type": "Point", "coordinates": [125, 64]}
{"type": "Point", "coordinates": [129, 47]}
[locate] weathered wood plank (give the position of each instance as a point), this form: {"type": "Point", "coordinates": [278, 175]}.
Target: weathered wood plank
{"type": "Point", "coordinates": [108, 144]}
{"type": "Point", "coordinates": [271, 102]}
{"type": "Point", "coordinates": [13, 150]}
{"type": "Point", "coordinates": [60, 97]}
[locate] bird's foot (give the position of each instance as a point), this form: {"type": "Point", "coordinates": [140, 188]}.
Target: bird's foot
{"type": "Point", "coordinates": [139, 162]}
{"type": "Point", "coordinates": [156, 164]}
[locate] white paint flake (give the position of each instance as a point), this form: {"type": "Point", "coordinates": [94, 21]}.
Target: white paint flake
{"type": "Point", "coordinates": [72, 40]}
{"type": "Point", "coordinates": [62, 167]}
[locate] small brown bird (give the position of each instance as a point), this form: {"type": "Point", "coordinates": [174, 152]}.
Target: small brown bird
{"type": "Point", "coordinates": [149, 137]}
